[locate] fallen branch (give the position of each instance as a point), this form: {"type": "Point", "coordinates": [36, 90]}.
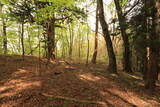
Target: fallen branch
{"type": "Point", "coordinates": [76, 100]}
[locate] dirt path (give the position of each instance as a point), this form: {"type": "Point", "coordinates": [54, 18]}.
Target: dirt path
{"type": "Point", "coordinates": [30, 84]}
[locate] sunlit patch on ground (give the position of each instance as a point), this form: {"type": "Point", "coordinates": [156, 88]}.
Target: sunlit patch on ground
{"type": "Point", "coordinates": [129, 97]}
{"type": "Point", "coordinates": [20, 71]}
{"type": "Point", "coordinates": [89, 77]}
{"type": "Point", "coordinates": [136, 77]}
{"type": "Point", "coordinates": [20, 86]}
{"type": "Point", "coordinates": [13, 86]}
{"type": "Point", "coordinates": [6, 91]}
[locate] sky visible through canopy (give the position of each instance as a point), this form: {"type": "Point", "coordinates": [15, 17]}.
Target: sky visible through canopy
{"type": "Point", "coordinates": [92, 13]}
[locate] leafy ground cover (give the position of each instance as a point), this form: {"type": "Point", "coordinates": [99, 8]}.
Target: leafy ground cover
{"type": "Point", "coordinates": [34, 83]}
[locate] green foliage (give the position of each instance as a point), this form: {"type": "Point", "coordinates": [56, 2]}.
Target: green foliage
{"type": "Point", "coordinates": [35, 14]}
{"type": "Point", "coordinates": [42, 10]}
{"type": "Point", "coordinates": [123, 2]}
{"type": "Point", "coordinates": [111, 5]}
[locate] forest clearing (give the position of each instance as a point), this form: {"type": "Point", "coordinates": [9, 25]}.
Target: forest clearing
{"type": "Point", "coordinates": [79, 53]}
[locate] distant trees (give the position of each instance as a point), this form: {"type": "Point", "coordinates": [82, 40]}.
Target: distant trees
{"type": "Point", "coordinates": [50, 15]}
{"type": "Point", "coordinates": [21, 12]}
{"type": "Point", "coordinates": [59, 14]}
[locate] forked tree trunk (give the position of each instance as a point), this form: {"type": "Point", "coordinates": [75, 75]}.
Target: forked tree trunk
{"type": "Point", "coordinates": [96, 39]}
{"type": "Point", "coordinates": [122, 23]}
{"type": "Point", "coordinates": [111, 55]}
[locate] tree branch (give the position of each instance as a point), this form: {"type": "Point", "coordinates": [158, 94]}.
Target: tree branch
{"type": "Point", "coordinates": [135, 4]}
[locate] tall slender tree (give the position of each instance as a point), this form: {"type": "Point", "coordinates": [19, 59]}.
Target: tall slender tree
{"type": "Point", "coordinates": [4, 29]}
{"type": "Point", "coordinates": [153, 49]}
{"type": "Point", "coordinates": [111, 54]}
{"type": "Point", "coordinates": [22, 39]}
{"type": "Point", "coordinates": [71, 38]}
{"type": "Point", "coordinates": [96, 38]}
{"type": "Point", "coordinates": [123, 28]}
{"type": "Point", "coordinates": [87, 59]}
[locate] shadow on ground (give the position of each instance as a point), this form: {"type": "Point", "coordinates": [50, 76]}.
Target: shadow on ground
{"type": "Point", "coordinates": [25, 83]}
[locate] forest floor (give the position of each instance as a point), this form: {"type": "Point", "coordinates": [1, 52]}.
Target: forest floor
{"type": "Point", "coordinates": [29, 83]}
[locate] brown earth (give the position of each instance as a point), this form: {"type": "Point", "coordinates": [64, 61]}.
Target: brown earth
{"type": "Point", "coordinates": [31, 83]}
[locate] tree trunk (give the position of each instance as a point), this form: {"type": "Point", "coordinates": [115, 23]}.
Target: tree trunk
{"type": "Point", "coordinates": [79, 43]}
{"type": "Point", "coordinates": [111, 55]}
{"type": "Point", "coordinates": [87, 47]}
{"type": "Point", "coordinates": [122, 23]}
{"type": "Point", "coordinates": [152, 69]}
{"type": "Point", "coordinates": [152, 72]}
{"type": "Point", "coordinates": [144, 63]}
{"type": "Point", "coordinates": [45, 54]}
{"type": "Point", "coordinates": [96, 39]}
{"type": "Point", "coordinates": [19, 38]}
{"type": "Point", "coordinates": [71, 36]}
{"type": "Point", "coordinates": [143, 56]}
{"type": "Point", "coordinates": [63, 49]}
{"type": "Point", "coordinates": [63, 46]}
{"type": "Point", "coordinates": [4, 36]}
{"type": "Point", "coordinates": [157, 31]}
{"type": "Point", "coordinates": [51, 39]}
{"type": "Point", "coordinates": [4, 28]}
{"type": "Point", "coordinates": [29, 40]}
{"type": "Point", "coordinates": [22, 39]}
